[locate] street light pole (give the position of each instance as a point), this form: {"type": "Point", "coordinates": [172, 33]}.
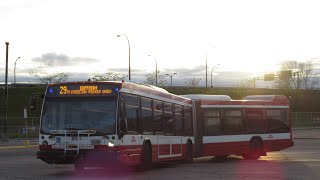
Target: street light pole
{"type": "Point", "coordinates": [15, 70]}
{"type": "Point", "coordinates": [206, 70]}
{"type": "Point", "coordinates": [129, 54]}
{"type": "Point", "coordinates": [214, 67]}
{"type": "Point", "coordinates": [5, 136]}
{"type": "Point", "coordinates": [171, 76]}
{"type": "Point", "coordinates": [156, 69]}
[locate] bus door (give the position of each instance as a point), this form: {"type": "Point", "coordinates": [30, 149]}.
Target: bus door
{"type": "Point", "coordinates": [169, 145]}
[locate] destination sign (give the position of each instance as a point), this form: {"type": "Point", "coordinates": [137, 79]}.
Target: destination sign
{"type": "Point", "coordinates": [83, 90]}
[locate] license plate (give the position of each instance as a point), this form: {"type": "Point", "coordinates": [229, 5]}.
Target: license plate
{"type": "Point", "coordinates": [95, 141]}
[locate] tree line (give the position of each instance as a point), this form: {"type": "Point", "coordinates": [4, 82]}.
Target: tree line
{"type": "Point", "coordinates": [304, 77]}
{"type": "Point", "coordinates": [111, 76]}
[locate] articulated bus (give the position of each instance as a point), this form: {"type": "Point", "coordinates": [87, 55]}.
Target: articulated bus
{"type": "Point", "coordinates": [106, 123]}
{"type": "Point", "coordinates": [100, 123]}
{"type": "Point", "coordinates": [250, 127]}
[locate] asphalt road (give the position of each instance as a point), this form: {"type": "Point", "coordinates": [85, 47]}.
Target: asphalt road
{"type": "Point", "coordinates": [299, 162]}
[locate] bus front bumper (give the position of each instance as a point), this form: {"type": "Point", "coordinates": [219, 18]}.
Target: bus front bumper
{"type": "Point", "coordinates": [70, 157]}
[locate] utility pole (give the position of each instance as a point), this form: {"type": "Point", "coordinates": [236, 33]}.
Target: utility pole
{"type": "Point", "coordinates": [4, 135]}
{"type": "Point", "coordinates": [207, 70]}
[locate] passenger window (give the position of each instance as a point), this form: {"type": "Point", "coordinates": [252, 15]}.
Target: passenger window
{"type": "Point", "coordinates": [146, 115]}
{"type": "Point", "coordinates": [168, 119]}
{"type": "Point", "coordinates": [158, 117]}
{"type": "Point", "coordinates": [232, 122]}
{"type": "Point", "coordinates": [211, 122]}
{"type": "Point", "coordinates": [255, 121]}
{"type": "Point", "coordinates": [178, 114]}
{"type": "Point", "coordinates": [132, 113]}
{"type": "Point", "coordinates": [188, 121]}
{"type": "Point", "coordinates": [277, 120]}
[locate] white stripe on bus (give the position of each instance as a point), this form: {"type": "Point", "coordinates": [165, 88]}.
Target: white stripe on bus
{"type": "Point", "coordinates": [244, 106]}
{"type": "Point", "coordinates": [246, 137]}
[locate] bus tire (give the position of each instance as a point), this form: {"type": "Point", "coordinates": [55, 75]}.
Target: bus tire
{"type": "Point", "coordinates": [146, 156]}
{"type": "Point", "coordinates": [255, 149]}
{"type": "Point", "coordinates": [189, 153]}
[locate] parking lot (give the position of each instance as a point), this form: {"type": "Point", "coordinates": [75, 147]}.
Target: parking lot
{"type": "Point", "coordinates": [299, 162]}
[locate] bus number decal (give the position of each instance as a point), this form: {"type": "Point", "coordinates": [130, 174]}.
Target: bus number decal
{"type": "Point", "coordinates": [63, 89]}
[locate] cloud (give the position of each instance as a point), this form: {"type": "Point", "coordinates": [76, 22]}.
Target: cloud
{"type": "Point", "coordinates": [54, 59]}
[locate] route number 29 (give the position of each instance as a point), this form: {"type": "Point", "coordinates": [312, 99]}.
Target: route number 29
{"type": "Point", "coordinates": [63, 89]}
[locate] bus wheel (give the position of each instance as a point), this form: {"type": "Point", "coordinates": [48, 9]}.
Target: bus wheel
{"type": "Point", "coordinates": [146, 156]}
{"type": "Point", "coordinates": [255, 149]}
{"type": "Point", "coordinates": [189, 153]}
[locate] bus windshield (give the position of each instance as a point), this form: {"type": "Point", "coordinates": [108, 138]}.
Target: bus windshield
{"type": "Point", "coordinates": [86, 113]}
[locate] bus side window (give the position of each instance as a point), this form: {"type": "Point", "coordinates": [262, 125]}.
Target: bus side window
{"type": "Point", "coordinates": [211, 122]}
{"type": "Point", "coordinates": [168, 119]}
{"type": "Point", "coordinates": [122, 117]}
{"type": "Point", "coordinates": [232, 121]}
{"type": "Point", "coordinates": [178, 119]}
{"type": "Point", "coordinates": [157, 123]}
{"type": "Point", "coordinates": [255, 121]}
{"type": "Point", "coordinates": [146, 116]}
{"type": "Point", "coordinates": [188, 121]}
{"type": "Point", "coordinates": [132, 113]}
{"type": "Point", "coordinates": [277, 121]}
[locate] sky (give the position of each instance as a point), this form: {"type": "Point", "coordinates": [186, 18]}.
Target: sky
{"type": "Point", "coordinates": [247, 38]}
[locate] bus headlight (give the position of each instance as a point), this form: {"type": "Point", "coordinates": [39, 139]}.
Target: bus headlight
{"type": "Point", "coordinates": [110, 143]}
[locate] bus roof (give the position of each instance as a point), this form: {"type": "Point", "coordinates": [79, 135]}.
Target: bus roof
{"type": "Point", "coordinates": [252, 100]}
{"type": "Point", "coordinates": [208, 97]}
{"type": "Point", "coordinates": [152, 91]}
{"type": "Point", "coordinates": [136, 88]}
{"type": "Point", "coordinates": [266, 97]}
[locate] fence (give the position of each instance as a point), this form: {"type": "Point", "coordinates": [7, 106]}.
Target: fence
{"type": "Point", "coordinates": [305, 119]}
{"type": "Point", "coordinates": [19, 127]}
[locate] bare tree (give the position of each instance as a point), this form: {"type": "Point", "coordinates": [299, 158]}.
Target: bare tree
{"type": "Point", "coordinates": [246, 83]}
{"type": "Point", "coordinates": [301, 77]}
{"type": "Point", "coordinates": [50, 78]}
{"type": "Point", "coordinates": [151, 79]}
{"type": "Point", "coordinates": [110, 76]}
{"type": "Point", "coordinates": [194, 82]}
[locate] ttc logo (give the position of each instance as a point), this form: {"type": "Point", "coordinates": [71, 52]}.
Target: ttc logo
{"type": "Point", "coordinates": [133, 139]}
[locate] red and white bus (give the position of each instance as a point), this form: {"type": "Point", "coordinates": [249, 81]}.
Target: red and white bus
{"type": "Point", "coordinates": [250, 127]}
{"type": "Point", "coordinates": [98, 123]}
